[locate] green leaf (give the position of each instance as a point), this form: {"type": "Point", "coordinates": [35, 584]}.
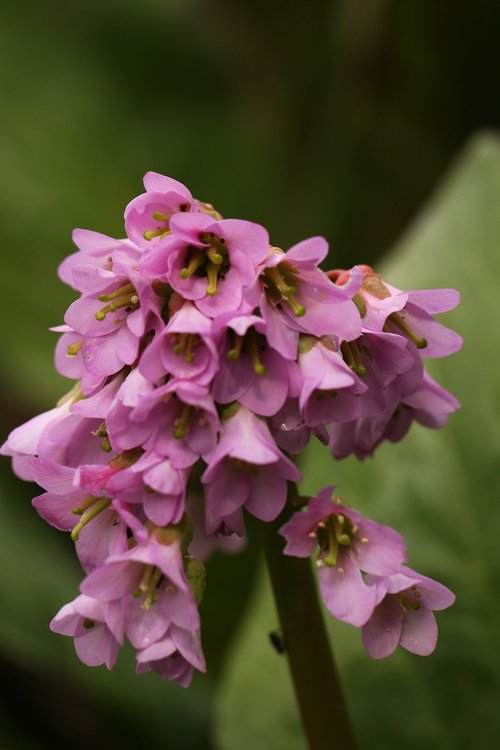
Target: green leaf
{"type": "Point", "coordinates": [440, 489]}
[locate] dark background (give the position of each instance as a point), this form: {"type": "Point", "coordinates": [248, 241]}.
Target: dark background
{"type": "Point", "coordinates": [311, 117]}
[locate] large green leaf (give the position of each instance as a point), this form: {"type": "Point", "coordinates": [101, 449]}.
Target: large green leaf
{"type": "Point", "coordinates": [440, 489]}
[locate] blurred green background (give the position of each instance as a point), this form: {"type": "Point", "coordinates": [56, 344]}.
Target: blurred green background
{"type": "Point", "coordinates": [333, 118]}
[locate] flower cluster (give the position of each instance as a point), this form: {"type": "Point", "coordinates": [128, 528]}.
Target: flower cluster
{"type": "Point", "coordinates": [362, 578]}
{"type": "Point", "coordinates": [203, 357]}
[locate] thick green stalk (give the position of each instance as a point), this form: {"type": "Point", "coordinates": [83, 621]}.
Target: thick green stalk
{"type": "Point", "coordinates": [317, 686]}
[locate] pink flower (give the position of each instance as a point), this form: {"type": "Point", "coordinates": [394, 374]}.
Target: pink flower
{"type": "Point", "coordinates": [85, 619]}
{"type": "Point", "coordinates": [245, 469]}
{"type": "Point", "coordinates": [147, 217]}
{"type": "Point", "coordinates": [207, 261]}
{"type": "Point", "coordinates": [150, 583]}
{"type": "Point", "coordinates": [299, 297]}
{"type": "Point", "coordinates": [331, 390]}
{"type": "Point", "coordinates": [350, 547]}
{"type": "Point", "coordinates": [250, 370]}
{"type": "Point", "coordinates": [405, 615]}
{"type": "Point", "coordinates": [174, 656]}
{"type": "Point", "coordinates": [185, 349]}
{"type": "Point", "coordinates": [386, 308]}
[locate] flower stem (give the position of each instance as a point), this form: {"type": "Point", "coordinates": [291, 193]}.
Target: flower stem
{"type": "Point", "coordinates": [317, 686]}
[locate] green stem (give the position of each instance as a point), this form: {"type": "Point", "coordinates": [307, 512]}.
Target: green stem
{"type": "Point", "coordinates": [317, 686]}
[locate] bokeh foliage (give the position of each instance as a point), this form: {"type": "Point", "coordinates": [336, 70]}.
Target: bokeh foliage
{"type": "Point", "coordinates": [310, 117]}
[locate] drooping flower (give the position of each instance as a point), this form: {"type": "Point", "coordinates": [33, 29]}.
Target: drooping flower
{"type": "Point", "coordinates": [86, 620]}
{"type": "Point", "coordinates": [405, 615]}
{"type": "Point", "coordinates": [245, 469]}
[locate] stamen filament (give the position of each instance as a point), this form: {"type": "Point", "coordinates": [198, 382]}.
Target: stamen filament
{"type": "Point", "coordinates": [125, 289]}
{"type": "Point", "coordinates": [214, 256]}
{"type": "Point", "coordinates": [74, 395]}
{"type": "Point", "coordinates": [352, 355]}
{"type": "Point", "coordinates": [253, 350]}
{"type": "Point", "coordinates": [129, 299]}
{"type": "Point", "coordinates": [84, 505]}
{"type": "Point", "coordinates": [403, 326]}
{"type": "Point", "coordinates": [235, 352]}
{"type": "Point", "coordinates": [212, 273]}
{"type": "Point", "coordinates": [188, 351]}
{"type": "Point", "coordinates": [331, 560]}
{"type": "Point", "coordinates": [181, 424]}
{"type": "Point", "coordinates": [97, 507]}
{"type": "Point", "coordinates": [180, 345]}
{"type": "Point", "coordinates": [297, 308]}
{"type": "Point", "coordinates": [150, 234]}
{"type": "Point", "coordinates": [159, 216]}
{"type": "Point", "coordinates": [146, 578]}
{"type": "Point", "coordinates": [278, 281]}
{"type": "Point", "coordinates": [196, 261]}
{"type": "Point", "coordinates": [73, 349]}
{"type": "Point", "coordinates": [185, 345]}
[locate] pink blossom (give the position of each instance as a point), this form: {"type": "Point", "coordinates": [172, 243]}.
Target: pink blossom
{"type": "Point", "coordinates": [207, 261]}
{"type": "Point", "coordinates": [350, 547]}
{"type": "Point", "coordinates": [245, 469]}
{"type": "Point", "coordinates": [85, 619]}
{"type": "Point", "coordinates": [405, 615]}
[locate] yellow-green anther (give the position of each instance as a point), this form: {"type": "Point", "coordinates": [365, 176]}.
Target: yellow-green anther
{"type": "Point", "coordinates": [181, 424]}
{"type": "Point", "coordinates": [278, 281]}
{"type": "Point", "coordinates": [253, 350]}
{"type": "Point", "coordinates": [188, 351]}
{"type": "Point", "coordinates": [148, 602]}
{"type": "Point", "coordinates": [214, 256]}
{"type": "Point", "coordinates": [150, 234]}
{"type": "Point", "coordinates": [212, 273]}
{"type": "Point", "coordinates": [123, 301]}
{"type": "Point", "coordinates": [151, 579]}
{"type": "Point", "coordinates": [403, 326]}
{"type": "Point", "coordinates": [298, 309]}
{"type": "Point", "coordinates": [106, 445]}
{"type": "Point", "coordinates": [125, 289]}
{"type": "Point", "coordinates": [409, 603]}
{"type": "Point", "coordinates": [185, 344]}
{"type": "Point", "coordinates": [230, 410]}
{"type": "Point", "coordinates": [360, 304]}
{"type": "Point", "coordinates": [88, 624]}
{"type": "Point", "coordinates": [306, 343]}
{"type": "Point", "coordinates": [85, 505]}
{"type": "Point", "coordinates": [155, 579]}
{"type": "Point", "coordinates": [197, 260]}
{"type": "Point", "coordinates": [344, 540]}
{"type": "Point", "coordinates": [73, 349]}
{"type": "Point", "coordinates": [352, 355]}
{"type": "Point", "coordinates": [235, 352]}
{"type": "Point", "coordinates": [94, 510]}
{"type": "Point", "coordinates": [146, 578]}
{"type": "Point", "coordinates": [180, 345]}
{"type": "Point", "coordinates": [159, 216]}
{"type": "Point", "coordinates": [331, 560]}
